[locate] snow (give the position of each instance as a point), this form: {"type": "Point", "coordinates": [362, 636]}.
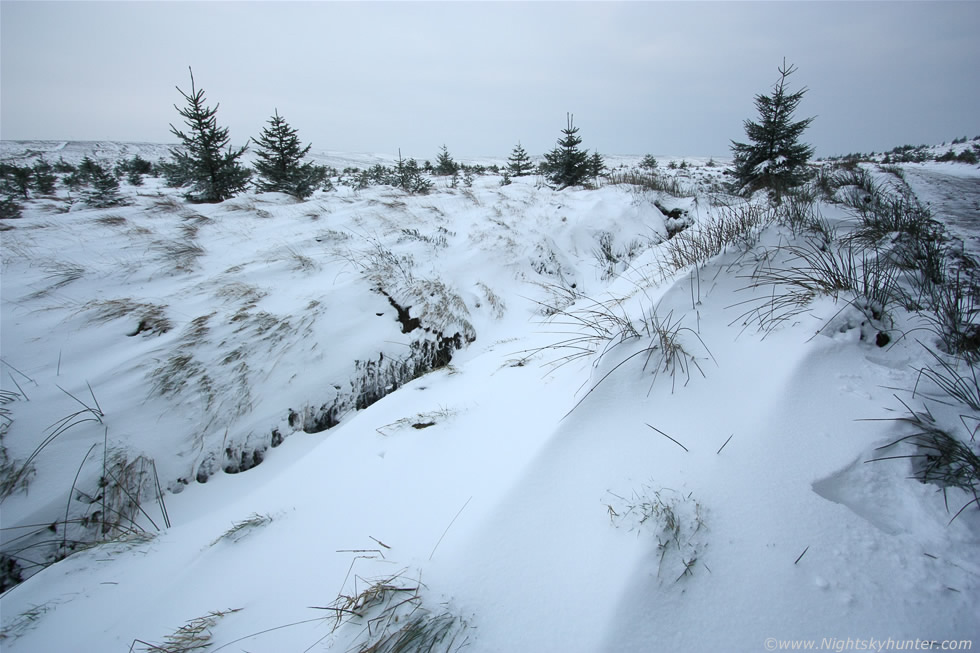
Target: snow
{"type": "Point", "coordinates": [517, 507]}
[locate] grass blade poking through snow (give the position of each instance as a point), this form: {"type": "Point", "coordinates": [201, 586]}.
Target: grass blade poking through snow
{"type": "Point", "coordinates": [395, 620]}
{"type": "Point", "coordinates": [939, 457]}
{"type": "Point", "coordinates": [676, 520]}
{"type": "Point", "coordinates": [195, 635]}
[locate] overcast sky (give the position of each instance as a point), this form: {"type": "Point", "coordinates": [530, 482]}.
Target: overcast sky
{"type": "Point", "coordinates": [640, 77]}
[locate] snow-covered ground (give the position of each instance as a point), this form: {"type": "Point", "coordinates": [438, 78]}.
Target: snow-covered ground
{"type": "Point", "coordinates": [557, 486]}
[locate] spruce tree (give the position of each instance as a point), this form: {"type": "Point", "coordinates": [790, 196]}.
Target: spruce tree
{"type": "Point", "coordinates": [63, 167]}
{"type": "Point", "coordinates": [775, 159]}
{"type": "Point", "coordinates": [444, 163]}
{"type": "Point", "coordinates": [103, 190]}
{"type": "Point", "coordinates": [597, 165]}
{"type": "Point", "coordinates": [519, 164]}
{"type": "Point", "coordinates": [203, 163]}
{"type": "Point", "coordinates": [9, 208]}
{"type": "Point", "coordinates": [280, 166]}
{"type": "Point", "coordinates": [567, 165]}
{"type": "Point", "coordinates": [44, 177]}
{"type": "Point", "coordinates": [88, 168]}
{"type": "Point", "coordinates": [17, 180]}
{"type": "Point", "coordinates": [408, 175]}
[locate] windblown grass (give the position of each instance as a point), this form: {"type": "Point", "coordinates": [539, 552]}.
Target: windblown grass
{"type": "Point", "coordinates": [653, 181]}
{"type": "Point", "coordinates": [736, 224]}
{"type": "Point", "coordinates": [938, 457]}
{"type": "Point", "coordinates": [863, 278]}
{"type": "Point", "coordinates": [242, 529]}
{"type": "Point", "coordinates": [597, 328]}
{"type": "Point", "coordinates": [151, 318]}
{"type": "Point", "coordinates": [195, 635]}
{"type": "Point", "coordinates": [393, 618]}
{"type": "Point", "coordinates": [675, 520]}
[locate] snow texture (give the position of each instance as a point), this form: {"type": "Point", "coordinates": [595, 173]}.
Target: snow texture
{"type": "Point", "coordinates": [394, 362]}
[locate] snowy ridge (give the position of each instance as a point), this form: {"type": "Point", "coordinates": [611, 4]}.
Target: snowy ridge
{"type": "Point", "coordinates": [558, 485]}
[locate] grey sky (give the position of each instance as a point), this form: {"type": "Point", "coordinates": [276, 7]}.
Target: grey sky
{"type": "Point", "coordinates": [666, 78]}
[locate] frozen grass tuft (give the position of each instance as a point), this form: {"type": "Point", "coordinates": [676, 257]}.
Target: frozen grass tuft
{"type": "Point", "coordinates": [151, 318]}
{"type": "Point", "coordinates": [939, 457]}
{"type": "Point", "coordinates": [57, 276]}
{"type": "Point", "coordinates": [25, 621]}
{"type": "Point", "coordinates": [652, 181]}
{"type": "Point", "coordinates": [737, 224]}
{"type": "Point", "coordinates": [597, 328]}
{"type": "Point", "coordinates": [954, 315]}
{"type": "Point", "coordinates": [498, 307]}
{"type": "Point", "coordinates": [178, 255]}
{"type": "Point", "coordinates": [882, 215]}
{"type": "Point", "coordinates": [15, 476]}
{"type": "Point", "coordinates": [867, 281]}
{"type": "Point", "coordinates": [167, 204]}
{"type": "Point", "coordinates": [674, 519]}
{"type": "Point", "coordinates": [419, 421]}
{"type": "Point", "coordinates": [111, 221]}
{"type": "Point", "coordinates": [962, 388]}
{"type": "Point", "coordinates": [392, 618]}
{"type": "Point", "coordinates": [613, 261]}
{"type": "Point", "coordinates": [195, 635]}
{"type": "Point", "coordinates": [244, 528]}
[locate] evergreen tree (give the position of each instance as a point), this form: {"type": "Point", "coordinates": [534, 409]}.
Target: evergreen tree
{"type": "Point", "coordinates": [775, 159]}
{"type": "Point", "coordinates": [134, 177]}
{"type": "Point", "coordinates": [649, 163]}
{"type": "Point", "coordinates": [212, 172]}
{"type": "Point", "coordinates": [104, 189]}
{"type": "Point", "coordinates": [445, 164]}
{"type": "Point", "coordinates": [519, 164]}
{"type": "Point", "coordinates": [9, 208]}
{"type": "Point", "coordinates": [567, 165]}
{"type": "Point", "coordinates": [44, 177]}
{"type": "Point", "coordinates": [74, 180]}
{"type": "Point", "coordinates": [597, 165]}
{"type": "Point", "coordinates": [134, 169]}
{"type": "Point", "coordinates": [408, 175]}
{"type": "Point", "coordinates": [280, 166]}
{"type": "Point", "coordinates": [17, 180]}
{"type": "Point", "coordinates": [63, 167]}
{"type": "Point", "coordinates": [87, 169]}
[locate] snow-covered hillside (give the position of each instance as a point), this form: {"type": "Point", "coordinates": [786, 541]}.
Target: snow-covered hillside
{"type": "Point", "coordinates": [505, 418]}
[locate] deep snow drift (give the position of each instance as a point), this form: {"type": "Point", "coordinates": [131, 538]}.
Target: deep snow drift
{"type": "Point", "coordinates": [522, 468]}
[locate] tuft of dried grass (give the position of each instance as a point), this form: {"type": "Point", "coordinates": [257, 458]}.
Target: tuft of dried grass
{"type": "Point", "coordinates": [195, 635]}
{"type": "Point", "coordinates": [393, 619]}
{"type": "Point", "coordinates": [152, 319]}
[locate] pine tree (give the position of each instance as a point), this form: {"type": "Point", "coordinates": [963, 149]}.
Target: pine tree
{"type": "Point", "coordinates": [408, 175]}
{"type": "Point", "coordinates": [519, 164]}
{"type": "Point", "coordinates": [567, 165]}
{"type": "Point", "coordinates": [17, 180]}
{"type": "Point", "coordinates": [134, 169]}
{"type": "Point", "coordinates": [103, 191]}
{"type": "Point", "coordinates": [9, 208]}
{"type": "Point", "coordinates": [444, 163]}
{"type": "Point", "coordinates": [597, 165]}
{"type": "Point", "coordinates": [280, 166]}
{"type": "Point", "coordinates": [44, 177]}
{"type": "Point", "coordinates": [62, 167]}
{"type": "Point", "coordinates": [775, 159]}
{"type": "Point", "coordinates": [213, 175]}
{"type": "Point", "coordinates": [88, 168]}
